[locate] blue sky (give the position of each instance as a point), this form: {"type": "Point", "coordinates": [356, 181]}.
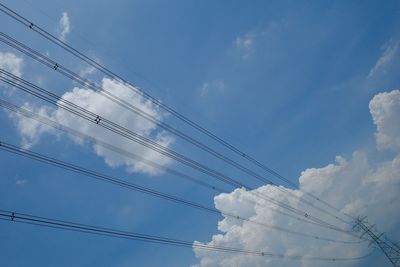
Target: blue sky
{"type": "Point", "coordinates": [288, 82]}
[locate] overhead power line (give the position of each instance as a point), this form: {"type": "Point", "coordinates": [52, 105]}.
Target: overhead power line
{"type": "Point", "coordinates": [390, 249]}
{"type": "Point", "coordinates": [109, 232]}
{"type": "Point", "coordinates": [154, 193]}
{"type": "Point", "coordinates": [26, 113]}
{"type": "Point", "coordinates": [155, 146]}
{"type": "Point", "coordinates": [124, 132]}
{"type": "Point", "coordinates": [386, 246]}
{"type": "Point", "coordinates": [161, 149]}
{"type": "Point", "coordinates": [23, 20]}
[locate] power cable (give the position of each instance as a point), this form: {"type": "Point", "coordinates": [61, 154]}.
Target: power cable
{"type": "Point", "coordinates": [91, 117]}
{"type": "Point", "coordinates": [92, 86]}
{"type": "Point", "coordinates": [26, 113]}
{"type": "Point", "coordinates": [145, 190]}
{"type": "Point", "coordinates": [109, 73]}
{"type": "Point", "coordinates": [91, 229]}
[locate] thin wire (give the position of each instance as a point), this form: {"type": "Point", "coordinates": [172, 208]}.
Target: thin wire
{"type": "Point", "coordinates": [272, 200]}
{"type": "Point", "coordinates": [143, 140]}
{"type": "Point", "coordinates": [91, 229]}
{"type": "Point", "coordinates": [67, 129]}
{"type": "Point", "coordinates": [90, 85]}
{"type": "Point", "coordinates": [145, 190]}
{"type": "Point", "coordinates": [109, 73]}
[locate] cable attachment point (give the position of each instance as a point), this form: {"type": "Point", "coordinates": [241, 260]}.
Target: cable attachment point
{"type": "Point", "coordinates": [55, 66]}
{"type": "Point", "coordinates": [98, 119]}
{"type": "Point", "coordinates": [12, 216]}
{"type": "Point", "coordinates": [31, 25]}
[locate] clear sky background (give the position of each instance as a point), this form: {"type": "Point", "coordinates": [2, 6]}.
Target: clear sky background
{"type": "Point", "coordinates": [289, 82]}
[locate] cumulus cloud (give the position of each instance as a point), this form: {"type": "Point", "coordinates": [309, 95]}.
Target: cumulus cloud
{"type": "Point", "coordinates": [356, 186]}
{"type": "Point", "coordinates": [385, 110]}
{"type": "Point", "coordinates": [87, 71]}
{"type": "Point", "coordinates": [31, 131]}
{"type": "Point", "coordinates": [64, 26]}
{"type": "Point", "coordinates": [12, 63]}
{"type": "Point", "coordinates": [390, 50]}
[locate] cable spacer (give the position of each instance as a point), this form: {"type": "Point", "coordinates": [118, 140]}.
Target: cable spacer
{"type": "Point", "coordinates": [98, 119]}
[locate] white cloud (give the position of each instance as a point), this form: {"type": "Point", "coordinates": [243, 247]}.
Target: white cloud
{"type": "Point", "coordinates": [20, 181]}
{"type": "Point", "coordinates": [387, 55]}
{"type": "Point", "coordinates": [12, 63]}
{"type": "Point", "coordinates": [355, 186]}
{"type": "Point", "coordinates": [245, 44]}
{"type": "Point", "coordinates": [64, 26]}
{"type": "Point", "coordinates": [87, 71]}
{"type": "Point", "coordinates": [385, 110]}
{"type": "Point", "coordinates": [212, 87]}
{"type": "Point", "coordinates": [31, 130]}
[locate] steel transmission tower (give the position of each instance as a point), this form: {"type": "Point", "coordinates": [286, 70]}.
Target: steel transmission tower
{"type": "Point", "coordinates": [379, 240]}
